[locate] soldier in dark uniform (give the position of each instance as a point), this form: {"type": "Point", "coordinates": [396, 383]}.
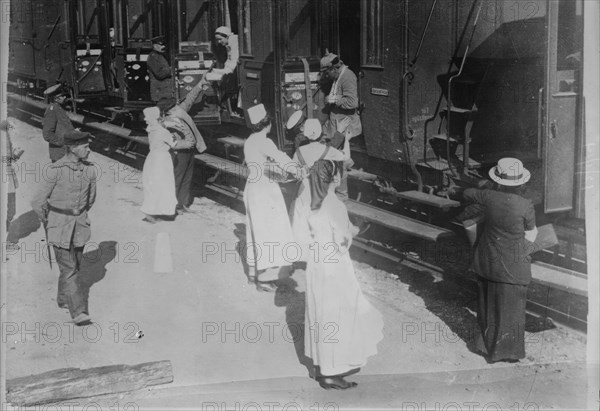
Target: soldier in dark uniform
{"type": "Point", "coordinates": [62, 204]}
{"type": "Point", "coordinates": [159, 70]}
{"type": "Point", "coordinates": [56, 123]}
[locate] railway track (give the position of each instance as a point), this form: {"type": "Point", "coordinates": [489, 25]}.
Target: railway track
{"type": "Point", "coordinates": [548, 300]}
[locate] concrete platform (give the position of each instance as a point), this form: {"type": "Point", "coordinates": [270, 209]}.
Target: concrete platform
{"type": "Point", "coordinates": [215, 328]}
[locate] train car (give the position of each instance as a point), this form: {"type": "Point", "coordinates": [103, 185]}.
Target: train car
{"type": "Point", "coordinates": [446, 87]}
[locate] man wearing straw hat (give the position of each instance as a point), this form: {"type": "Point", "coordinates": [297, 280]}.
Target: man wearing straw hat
{"type": "Point", "coordinates": [56, 123]}
{"type": "Point", "coordinates": [62, 203]}
{"type": "Point", "coordinates": [502, 261]}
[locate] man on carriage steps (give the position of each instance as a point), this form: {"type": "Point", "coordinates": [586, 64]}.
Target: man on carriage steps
{"type": "Point", "coordinates": [342, 103]}
{"type": "Point", "coordinates": [159, 71]}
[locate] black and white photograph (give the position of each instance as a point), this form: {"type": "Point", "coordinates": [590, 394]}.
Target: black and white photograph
{"type": "Point", "coordinates": [307, 205]}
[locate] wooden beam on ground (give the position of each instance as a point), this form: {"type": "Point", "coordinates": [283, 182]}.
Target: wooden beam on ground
{"type": "Point", "coordinates": [70, 383]}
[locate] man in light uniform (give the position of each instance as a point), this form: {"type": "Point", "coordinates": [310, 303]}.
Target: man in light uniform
{"type": "Point", "coordinates": [62, 202]}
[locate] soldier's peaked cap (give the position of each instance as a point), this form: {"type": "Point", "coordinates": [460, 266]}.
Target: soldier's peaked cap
{"type": "Point", "coordinates": [56, 90]}
{"type": "Point", "coordinates": [158, 39]}
{"type": "Point", "coordinates": [76, 137]}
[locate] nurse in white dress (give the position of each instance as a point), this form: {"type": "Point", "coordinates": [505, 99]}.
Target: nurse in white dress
{"type": "Point", "coordinates": [270, 243]}
{"type": "Point", "coordinates": [342, 328]}
{"type": "Point", "coordinates": [158, 178]}
{"type": "Point", "coordinates": [306, 156]}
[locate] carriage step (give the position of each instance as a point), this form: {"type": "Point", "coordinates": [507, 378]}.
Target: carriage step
{"type": "Point", "coordinates": [442, 165]}
{"type": "Point", "coordinates": [397, 222]}
{"type": "Point", "coordinates": [361, 175]}
{"type": "Point", "coordinates": [221, 164]}
{"type": "Point", "coordinates": [232, 141]}
{"type": "Point", "coordinates": [427, 199]}
{"type": "Point", "coordinates": [444, 137]}
{"type": "Point", "coordinates": [460, 110]}
{"type": "Point", "coordinates": [207, 118]}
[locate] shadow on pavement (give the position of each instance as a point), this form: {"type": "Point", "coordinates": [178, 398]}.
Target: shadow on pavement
{"type": "Point", "coordinates": [93, 267]}
{"type": "Point", "coordinates": [22, 226]}
{"type": "Point", "coordinates": [289, 297]}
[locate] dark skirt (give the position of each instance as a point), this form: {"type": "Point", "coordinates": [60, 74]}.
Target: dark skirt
{"type": "Point", "coordinates": [501, 318]}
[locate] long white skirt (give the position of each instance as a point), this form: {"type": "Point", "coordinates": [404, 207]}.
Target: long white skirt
{"type": "Point", "coordinates": [159, 184]}
{"type": "Point", "coordinates": [342, 328]}
{"type": "Point", "coordinates": [269, 238]}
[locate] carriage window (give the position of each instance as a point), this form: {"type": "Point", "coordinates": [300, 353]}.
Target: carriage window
{"type": "Point", "coordinates": [570, 44]}
{"type": "Point", "coordinates": [193, 20]}
{"type": "Point", "coordinates": [372, 33]}
{"type": "Point", "coordinates": [245, 33]}
{"type": "Point", "coordinates": [115, 23]}
{"type": "Point", "coordinates": [145, 20]}
{"type": "Point", "coordinates": [302, 28]}
{"type": "Point", "coordinates": [87, 24]}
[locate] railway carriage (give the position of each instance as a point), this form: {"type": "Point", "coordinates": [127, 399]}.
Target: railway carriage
{"type": "Point", "coordinates": [446, 87]}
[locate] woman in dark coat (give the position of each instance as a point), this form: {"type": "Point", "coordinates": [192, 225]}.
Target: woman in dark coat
{"type": "Point", "coordinates": [502, 261]}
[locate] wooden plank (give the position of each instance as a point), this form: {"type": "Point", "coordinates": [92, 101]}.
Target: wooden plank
{"type": "Point", "coordinates": [138, 139]}
{"type": "Point", "coordinates": [69, 383]}
{"type": "Point", "coordinates": [397, 222]}
{"type": "Point", "coordinates": [361, 175]}
{"type": "Point", "coordinates": [440, 165]}
{"type": "Point", "coordinates": [232, 141]}
{"type": "Point", "coordinates": [443, 136]}
{"type": "Point", "coordinates": [428, 199]}
{"type": "Point", "coordinates": [226, 166]}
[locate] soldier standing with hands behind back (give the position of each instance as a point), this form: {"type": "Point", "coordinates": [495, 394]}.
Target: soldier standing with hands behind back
{"type": "Point", "coordinates": [56, 124]}
{"type": "Point", "coordinates": [62, 204]}
{"type": "Point", "coordinates": [159, 71]}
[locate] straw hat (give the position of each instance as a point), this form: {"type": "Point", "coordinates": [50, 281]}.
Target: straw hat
{"type": "Point", "coordinates": [510, 172]}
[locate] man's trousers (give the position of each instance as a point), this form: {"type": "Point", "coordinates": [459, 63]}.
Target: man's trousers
{"type": "Point", "coordinates": [183, 168]}
{"type": "Point", "coordinates": [70, 293]}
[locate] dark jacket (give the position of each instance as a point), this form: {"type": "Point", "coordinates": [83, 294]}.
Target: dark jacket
{"type": "Point", "coordinates": [161, 80]}
{"type": "Point", "coordinates": [502, 253]}
{"type": "Point", "coordinates": [55, 125]}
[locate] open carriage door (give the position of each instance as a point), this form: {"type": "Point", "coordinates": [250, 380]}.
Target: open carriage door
{"type": "Point", "coordinates": [561, 126]}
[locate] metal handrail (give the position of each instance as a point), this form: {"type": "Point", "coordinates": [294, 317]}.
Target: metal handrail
{"type": "Point", "coordinates": [439, 102]}
{"type": "Point", "coordinates": [407, 77]}
{"type": "Point", "coordinates": [460, 70]}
